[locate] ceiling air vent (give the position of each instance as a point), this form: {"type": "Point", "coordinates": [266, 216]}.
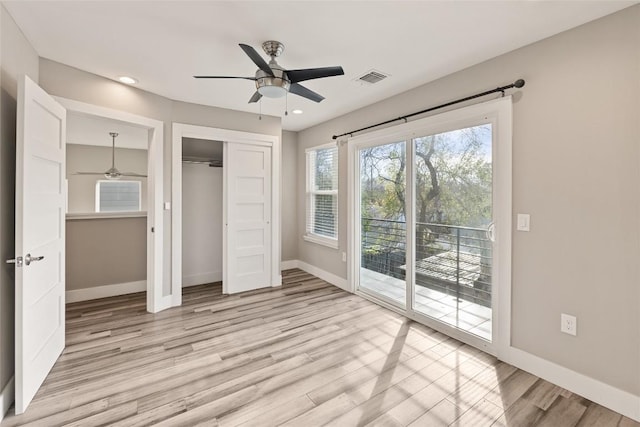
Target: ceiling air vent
{"type": "Point", "coordinates": [372, 76]}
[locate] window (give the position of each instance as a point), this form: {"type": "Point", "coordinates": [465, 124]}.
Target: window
{"type": "Point", "coordinates": [117, 196]}
{"type": "Point", "coordinates": [322, 195]}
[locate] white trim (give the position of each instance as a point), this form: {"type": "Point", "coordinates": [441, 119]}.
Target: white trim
{"type": "Point", "coordinates": [289, 264]}
{"type": "Point", "coordinates": [7, 397]}
{"type": "Point", "coordinates": [86, 294]}
{"type": "Point", "coordinates": [320, 240]}
{"type": "Point", "coordinates": [105, 215]}
{"type": "Point", "coordinates": [325, 275]}
{"type": "Point", "coordinates": [601, 393]}
{"type": "Point", "coordinates": [155, 214]}
{"type": "Point", "coordinates": [181, 130]}
{"type": "Point", "coordinates": [201, 278]}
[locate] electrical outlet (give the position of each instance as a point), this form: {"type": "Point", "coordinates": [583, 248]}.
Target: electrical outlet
{"type": "Point", "coordinates": [344, 257]}
{"type": "Point", "coordinates": [568, 324]}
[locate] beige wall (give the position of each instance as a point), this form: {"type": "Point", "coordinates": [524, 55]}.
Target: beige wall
{"type": "Point", "coordinates": [289, 196]}
{"type": "Point", "coordinates": [105, 251]}
{"type": "Point", "coordinates": [68, 82]}
{"type": "Point", "coordinates": [576, 170]}
{"type": "Point", "coordinates": [17, 57]}
{"type": "Point", "coordinates": [91, 158]}
{"type": "Point", "coordinates": [201, 223]}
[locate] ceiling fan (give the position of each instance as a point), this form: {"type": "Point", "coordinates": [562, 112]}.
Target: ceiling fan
{"type": "Point", "coordinates": [273, 81]}
{"type": "Point", "coordinates": [113, 172]}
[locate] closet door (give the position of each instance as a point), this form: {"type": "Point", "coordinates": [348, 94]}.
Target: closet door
{"type": "Point", "coordinates": [247, 246]}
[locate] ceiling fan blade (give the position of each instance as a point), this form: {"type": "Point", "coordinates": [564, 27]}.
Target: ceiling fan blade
{"type": "Point", "coordinates": [305, 93]}
{"type": "Point", "coordinates": [296, 76]}
{"type": "Point", "coordinates": [225, 77]}
{"type": "Point", "coordinates": [88, 173]}
{"type": "Point", "coordinates": [256, 58]}
{"type": "Point", "coordinates": [133, 174]}
{"type": "Point", "coordinates": [256, 97]}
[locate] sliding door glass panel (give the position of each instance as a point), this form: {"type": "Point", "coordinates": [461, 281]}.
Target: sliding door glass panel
{"type": "Point", "coordinates": [453, 220]}
{"type": "Point", "coordinates": [383, 228]}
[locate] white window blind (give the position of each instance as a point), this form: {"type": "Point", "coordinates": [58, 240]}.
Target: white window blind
{"type": "Point", "coordinates": [117, 196]}
{"type": "Point", "coordinates": [322, 195]}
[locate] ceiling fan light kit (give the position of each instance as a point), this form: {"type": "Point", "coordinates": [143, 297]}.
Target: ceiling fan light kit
{"type": "Point", "coordinates": [273, 81]}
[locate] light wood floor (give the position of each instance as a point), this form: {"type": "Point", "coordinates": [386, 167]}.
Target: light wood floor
{"type": "Point", "coordinates": [303, 355]}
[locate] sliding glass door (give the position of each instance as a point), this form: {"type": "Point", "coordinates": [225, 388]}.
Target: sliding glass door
{"type": "Point", "coordinates": [453, 176]}
{"type": "Point", "coordinates": [383, 231]}
{"type": "Point", "coordinates": [422, 219]}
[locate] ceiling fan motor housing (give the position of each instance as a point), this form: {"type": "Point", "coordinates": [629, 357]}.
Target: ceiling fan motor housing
{"type": "Point", "coordinates": [275, 86]}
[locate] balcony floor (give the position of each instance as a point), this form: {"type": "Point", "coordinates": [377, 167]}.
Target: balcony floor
{"type": "Point", "coordinates": [467, 316]}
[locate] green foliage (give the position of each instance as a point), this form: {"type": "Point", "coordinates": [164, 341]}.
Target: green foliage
{"type": "Point", "coordinates": [453, 179]}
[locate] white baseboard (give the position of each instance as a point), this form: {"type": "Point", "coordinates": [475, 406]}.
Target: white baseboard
{"type": "Point", "coordinates": [601, 393]}
{"type": "Point", "coordinates": [201, 279]}
{"type": "Point", "coordinates": [324, 275]}
{"type": "Point", "coordinates": [76, 295]}
{"type": "Point", "coordinates": [7, 397]}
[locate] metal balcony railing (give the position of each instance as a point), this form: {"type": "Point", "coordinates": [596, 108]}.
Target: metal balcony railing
{"type": "Point", "coordinates": [450, 259]}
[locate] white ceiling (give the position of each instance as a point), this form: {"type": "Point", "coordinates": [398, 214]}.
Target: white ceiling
{"type": "Point", "coordinates": [94, 130]}
{"type": "Point", "coordinates": [163, 44]}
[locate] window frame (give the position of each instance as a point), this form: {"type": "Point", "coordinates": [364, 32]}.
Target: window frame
{"type": "Point", "coordinates": [309, 235]}
{"type": "Point", "coordinates": [98, 191]}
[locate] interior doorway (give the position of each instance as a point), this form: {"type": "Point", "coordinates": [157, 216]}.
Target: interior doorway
{"type": "Point", "coordinates": [91, 121]}
{"type": "Point", "coordinates": [106, 219]}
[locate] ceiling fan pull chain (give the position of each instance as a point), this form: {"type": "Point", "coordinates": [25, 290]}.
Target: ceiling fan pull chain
{"type": "Point", "coordinates": [260, 115]}
{"type": "Point", "coordinates": [286, 104]}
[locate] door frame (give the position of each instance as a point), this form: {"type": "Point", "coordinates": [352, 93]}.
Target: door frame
{"type": "Point", "coordinates": [155, 215]}
{"type": "Point", "coordinates": [183, 130]}
{"type": "Point", "coordinates": [499, 113]}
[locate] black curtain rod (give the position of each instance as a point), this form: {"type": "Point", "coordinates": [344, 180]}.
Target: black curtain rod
{"type": "Point", "coordinates": [517, 84]}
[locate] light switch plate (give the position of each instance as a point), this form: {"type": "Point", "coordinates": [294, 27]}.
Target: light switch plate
{"type": "Point", "coordinates": [167, 206]}
{"type": "Point", "coordinates": [523, 222]}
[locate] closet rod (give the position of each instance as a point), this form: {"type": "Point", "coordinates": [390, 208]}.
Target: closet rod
{"type": "Point", "coordinates": [517, 84]}
{"type": "Point", "coordinates": [213, 163]}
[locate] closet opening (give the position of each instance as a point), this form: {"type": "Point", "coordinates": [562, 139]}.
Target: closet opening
{"type": "Point", "coordinates": [202, 197]}
{"type": "Point", "coordinates": [243, 246]}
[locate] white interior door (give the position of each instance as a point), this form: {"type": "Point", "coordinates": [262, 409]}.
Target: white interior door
{"type": "Point", "coordinates": [40, 228]}
{"type": "Point", "coordinates": [247, 246]}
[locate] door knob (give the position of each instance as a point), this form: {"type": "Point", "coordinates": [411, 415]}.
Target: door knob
{"type": "Point", "coordinates": [17, 261]}
{"type": "Point", "coordinates": [29, 259]}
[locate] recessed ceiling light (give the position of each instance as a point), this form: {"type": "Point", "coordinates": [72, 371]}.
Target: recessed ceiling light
{"type": "Point", "coordinates": [128, 80]}
{"type": "Point", "coordinates": [297, 111]}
